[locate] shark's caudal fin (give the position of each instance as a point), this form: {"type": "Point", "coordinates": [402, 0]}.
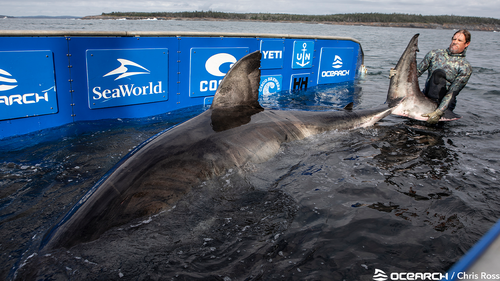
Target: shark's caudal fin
{"type": "Point", "coordinates": [404, 91]}
{"type": "Point", "coordinates": [240, 86]}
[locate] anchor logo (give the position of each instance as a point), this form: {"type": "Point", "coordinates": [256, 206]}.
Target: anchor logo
{"type": "Point", "coordinates": [302, 57]}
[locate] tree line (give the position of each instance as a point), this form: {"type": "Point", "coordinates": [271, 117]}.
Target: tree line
{"type": "Point", "coordinates": [349, 18]}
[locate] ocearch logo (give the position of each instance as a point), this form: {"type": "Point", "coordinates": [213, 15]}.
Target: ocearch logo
{"type": "Point", "coordinates": [380, 275]}
{"type": "Point", "coordinates": [4, 78]}
{"type": "Point", "coordinates": [21, 99]}
{"type": "Point", "coordinates": [337, 62]}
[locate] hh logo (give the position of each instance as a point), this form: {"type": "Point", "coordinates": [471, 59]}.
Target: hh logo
{"type": "Point", "coordinates": [299, 81]}
{"type": "Point", "coordinates": [303, 52]}
{"type": "Point", "coordinates": [209, 66]}
{"type": "Point", "coordinates": [126, 77]}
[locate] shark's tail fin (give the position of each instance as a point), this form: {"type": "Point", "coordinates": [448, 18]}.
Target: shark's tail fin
{"type": "Point", "coordinates": [404, 95]}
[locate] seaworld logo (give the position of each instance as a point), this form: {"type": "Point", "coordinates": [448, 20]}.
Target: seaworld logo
{"type": "Point", "coordinates": [120, 77]}
{"type": "Point", "coordinates": [127, 90]}
{"type": "Point", "coordinates": [122, 69]}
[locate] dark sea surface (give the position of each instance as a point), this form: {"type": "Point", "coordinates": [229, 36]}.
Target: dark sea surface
{"type": "Point", "coordinates": [401, 196]}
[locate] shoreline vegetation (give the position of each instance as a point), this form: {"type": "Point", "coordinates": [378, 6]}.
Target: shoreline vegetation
{"type": "Point", "coordinates": [365, 19]}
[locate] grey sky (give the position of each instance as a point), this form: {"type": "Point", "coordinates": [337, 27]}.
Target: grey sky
{"type": "Point", "coordinates": [483, 8]}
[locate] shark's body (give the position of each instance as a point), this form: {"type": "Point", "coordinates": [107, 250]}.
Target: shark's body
{"type": "Point", "coordinates": [235, 131]}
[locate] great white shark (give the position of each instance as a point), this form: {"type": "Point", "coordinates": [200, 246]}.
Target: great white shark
{"type": "Point", "coordinates": [235, 131]}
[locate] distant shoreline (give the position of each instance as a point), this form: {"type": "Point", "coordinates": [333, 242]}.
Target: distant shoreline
{"type": "Point", "coordinates": [472, 27]}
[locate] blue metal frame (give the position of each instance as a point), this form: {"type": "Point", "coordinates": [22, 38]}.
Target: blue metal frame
{"type": "Point", "coordinates": [72, 63]}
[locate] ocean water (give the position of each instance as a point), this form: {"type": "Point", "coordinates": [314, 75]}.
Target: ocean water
{"type": "Point", "coordinates": [400, 196]}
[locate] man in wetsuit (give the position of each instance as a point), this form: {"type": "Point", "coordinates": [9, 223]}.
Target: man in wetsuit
{"type": "Point", "coordinates": [448, 73]}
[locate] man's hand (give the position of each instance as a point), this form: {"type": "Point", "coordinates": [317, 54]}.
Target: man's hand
{"type": "Point", "coordinates": [392, 72]}
{"type": "Point", "coordinates": [433, 116]}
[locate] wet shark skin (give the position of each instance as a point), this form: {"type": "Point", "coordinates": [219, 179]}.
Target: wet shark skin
{"type": "Point", "coordinates": [234, 132]}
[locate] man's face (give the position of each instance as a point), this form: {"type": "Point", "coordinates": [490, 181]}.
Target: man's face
{"type": "Point", "coordinates": [458, 44]}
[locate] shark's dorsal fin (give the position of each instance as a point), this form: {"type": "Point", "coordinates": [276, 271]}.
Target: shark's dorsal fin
{"type": "Point", "coordinates": [349, 106]}
{"type": "Point", "coordinates": [240, 86]}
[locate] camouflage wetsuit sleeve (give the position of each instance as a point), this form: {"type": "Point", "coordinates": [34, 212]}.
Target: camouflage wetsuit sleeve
{"type": "Point", "coordinates": [461, 79]}
{"type": "Point", "coordinates": [424, 64]}
{"type": "Point", "coordinates": [458, 69]}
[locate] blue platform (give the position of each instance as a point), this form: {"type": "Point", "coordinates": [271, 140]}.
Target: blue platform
{"type": "Point", "coordinates": [52, 78]}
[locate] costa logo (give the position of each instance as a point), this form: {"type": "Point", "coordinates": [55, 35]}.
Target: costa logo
{"type": "Point", "coordinates": [209, 66]}
{"type": "Point", "coordinates": [215, 62]}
